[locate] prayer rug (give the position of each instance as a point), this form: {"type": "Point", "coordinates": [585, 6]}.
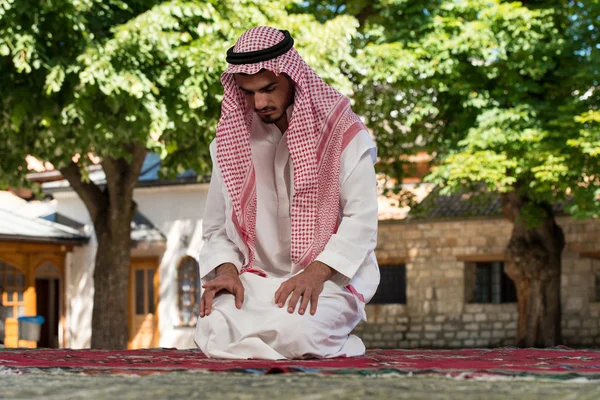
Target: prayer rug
{"type": "Point", "coordinates": [560, 362]}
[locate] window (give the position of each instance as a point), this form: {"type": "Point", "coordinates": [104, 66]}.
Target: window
{"type": "Point", "coordinates": [392, 287]}
{"type": "Point", "coordinates": [144, 291]}
{"type": "Point", "coordinates": [595, 278]}
{"type": "Point", "coordinates": [189, 291]}
{"type": "Point", "coordinates": [13, 282]}
{"type": "Point", "coordinates": [489, 283]}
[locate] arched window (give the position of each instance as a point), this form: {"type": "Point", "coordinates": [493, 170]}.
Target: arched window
{"type": "Point", "coordinates": [188, 279]}
{"type": "Point", "coordinates": [13, 282]}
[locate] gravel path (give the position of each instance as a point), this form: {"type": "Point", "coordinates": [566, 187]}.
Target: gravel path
{"type": "Point", "coordinates": [48, 384]}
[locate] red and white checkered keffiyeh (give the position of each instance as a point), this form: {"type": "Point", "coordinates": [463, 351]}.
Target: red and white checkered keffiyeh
{"type": "Point", "coordinates": [321, 126]}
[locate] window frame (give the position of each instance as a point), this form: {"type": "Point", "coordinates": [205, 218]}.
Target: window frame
{"type": "Point", "coordinates": [194, 291]}
{"type": "Point", "coordinates": [498, 283]}
{"type": "Point", "coordinates": [17, 306]}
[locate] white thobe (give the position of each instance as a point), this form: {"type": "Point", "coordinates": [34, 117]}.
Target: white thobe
{"type": "Point", "coordinates": [261, 329]}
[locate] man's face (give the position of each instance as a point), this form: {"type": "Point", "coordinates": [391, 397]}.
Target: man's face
{"type": "Point", "coordinates": [269, 95]}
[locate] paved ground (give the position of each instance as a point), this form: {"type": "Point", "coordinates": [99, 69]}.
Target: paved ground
{"type": "Point", "coordinates": [200, 385]}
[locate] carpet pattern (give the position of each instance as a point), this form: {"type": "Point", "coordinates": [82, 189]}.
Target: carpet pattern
{"type": "Point", "coordinates": [561, 363]}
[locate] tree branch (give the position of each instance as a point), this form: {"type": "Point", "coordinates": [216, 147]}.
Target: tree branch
{"type": "Point", "coordinates": [364, 14]}
{"type": "Point", "coordinates": [91, 195]}
{"type": "Point", "coordinates": [137, 161]}
{"type": "Point", "coordinates": [114, 181]}
{"type": "Point", "coordinates": [122, 176]}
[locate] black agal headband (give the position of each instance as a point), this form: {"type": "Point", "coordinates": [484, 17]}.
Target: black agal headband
{"type": "Point", "coordinates": [253, 57]}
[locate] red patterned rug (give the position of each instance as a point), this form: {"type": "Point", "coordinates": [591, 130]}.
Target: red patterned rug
{"type": "Point", "coordinates": [559, 362]}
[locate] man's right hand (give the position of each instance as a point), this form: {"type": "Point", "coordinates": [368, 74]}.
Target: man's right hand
{"type": "Point", "coordinates": [227, 279]}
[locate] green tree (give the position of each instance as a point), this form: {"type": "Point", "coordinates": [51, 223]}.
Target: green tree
{"type": "Point", "coordinates": [116, 79]}
{"type": "Point", "coordinates": [505, 95]}
{"type": "Point", "coordinates": [538, 148]}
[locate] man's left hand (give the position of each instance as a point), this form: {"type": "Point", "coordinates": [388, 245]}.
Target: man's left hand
{"type": "Point", "coordinates": [308, 284]}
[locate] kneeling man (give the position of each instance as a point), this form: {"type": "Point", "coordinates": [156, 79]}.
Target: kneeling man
{"type": "Point", "coordinates": [291, 217]}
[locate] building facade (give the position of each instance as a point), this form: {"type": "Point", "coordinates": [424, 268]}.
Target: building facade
{"type": "Point", "coordinates": [451, 291]}
{"type": "Point", "coordinates": [33, 255]}
{"type": "Point", "coordinates": [442, 283]}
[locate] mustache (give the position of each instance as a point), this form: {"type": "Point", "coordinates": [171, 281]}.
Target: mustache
{"type": "Point", "coordinates": [269, 108]}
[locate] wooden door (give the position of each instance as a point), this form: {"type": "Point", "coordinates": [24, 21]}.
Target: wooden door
{"type": "Point", "coordinates": [143, 303]}
{"type": "Point", "coordinates": [48, 306]}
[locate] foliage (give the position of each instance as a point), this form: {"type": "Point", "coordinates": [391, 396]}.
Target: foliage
{"type": "Point", "coordinates": [503, 93]}
{"type": "Point", "coordinates": [89, 76]}
{"type": "Point", "coordinates": [541, 140]}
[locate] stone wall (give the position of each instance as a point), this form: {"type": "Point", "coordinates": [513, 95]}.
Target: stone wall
{"type": "Point", "coordinates": [438, 254]}
{"type": "Point", "coordinates": [481, 325]}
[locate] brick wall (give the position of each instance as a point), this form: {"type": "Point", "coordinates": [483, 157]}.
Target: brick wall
{"type": "Point", "coordinates": [437, 255]}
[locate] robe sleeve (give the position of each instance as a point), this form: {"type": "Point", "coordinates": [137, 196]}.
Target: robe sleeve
{"type": "Point", "coordinates": [356, 236]}
{"type": "Point", "coordinates": [218, 247]}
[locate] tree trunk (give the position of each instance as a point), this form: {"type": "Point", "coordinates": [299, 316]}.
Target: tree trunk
{"type": "Point", "coordinates": [112, 211]}
{"type": "Point", "coordinates": [533, 262]}
{"type": "Point", "coordinates": [111, 276]}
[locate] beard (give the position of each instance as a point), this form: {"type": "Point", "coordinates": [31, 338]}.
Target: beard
{"type": "Point", "coordinates": [271, 119]}
{"type": "Point", "coordinates": [274, 118]}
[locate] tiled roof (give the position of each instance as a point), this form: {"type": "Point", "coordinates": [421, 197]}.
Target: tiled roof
{"type": "Point", "coordinates": [18, 227]}
{"type": "Point", "coordinates": [143, 230]}
{"type": "Point", "coordinates": [149, 177]}
{"type": "Point", "coordinates": [40, 222]}
{"type": "Point", "coordinates": [462, 205]}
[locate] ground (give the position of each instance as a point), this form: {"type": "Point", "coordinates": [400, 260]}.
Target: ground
{"type": "Point", "coordinates": [58, 384]}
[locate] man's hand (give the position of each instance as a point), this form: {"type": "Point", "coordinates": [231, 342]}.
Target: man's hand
{"type": "Point", "coordinates": [227, 280]}
{"type": "Point", "coordinates": [308, 284]}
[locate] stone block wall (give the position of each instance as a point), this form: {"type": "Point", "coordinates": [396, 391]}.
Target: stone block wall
{"type": "Point", "coordinates": [581, 274]}
{"type": "Point", "coordinates": [481, 325]}
{"type": "Point", "coordinates": [438, 256]}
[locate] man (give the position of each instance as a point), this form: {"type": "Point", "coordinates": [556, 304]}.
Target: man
{"type": "Point", "coordinates": [291, 215]}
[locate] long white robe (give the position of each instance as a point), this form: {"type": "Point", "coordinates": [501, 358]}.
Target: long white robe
{"type": "Point", "coordinates": [261, 329]}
